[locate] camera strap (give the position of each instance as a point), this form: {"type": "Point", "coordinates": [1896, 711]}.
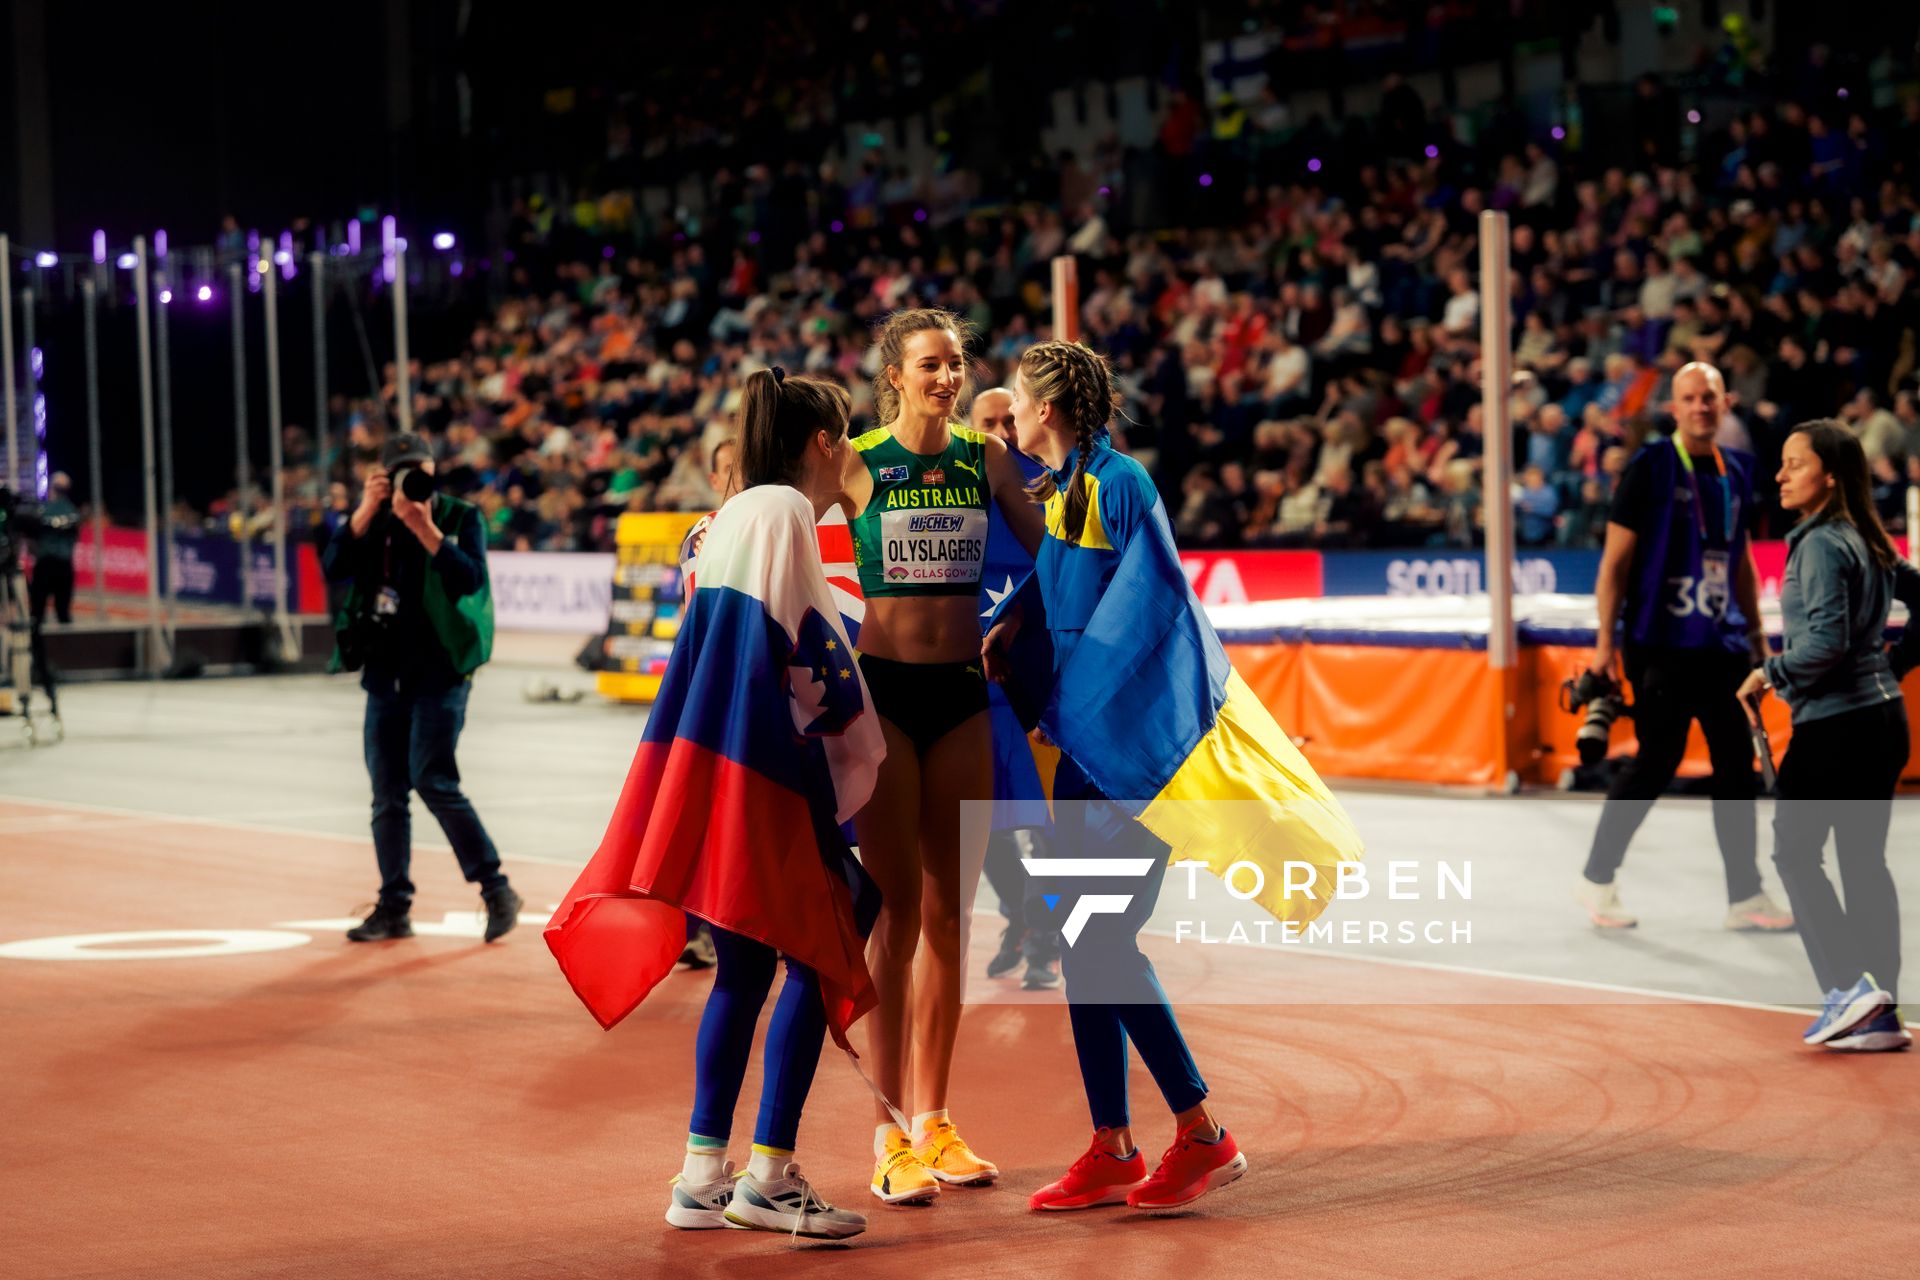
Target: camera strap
{"type": "Point", "coordinates": [387, 598]}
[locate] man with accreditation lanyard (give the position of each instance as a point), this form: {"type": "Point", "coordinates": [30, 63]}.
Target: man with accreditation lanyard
{"type": "Point", "coordinates": [1677, 577]}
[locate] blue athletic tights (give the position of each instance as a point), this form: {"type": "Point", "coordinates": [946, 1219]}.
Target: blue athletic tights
{"type": "Point", "coordinates": [1113, 994]}
{"type": "Point", "coordinates": [794, 1036]}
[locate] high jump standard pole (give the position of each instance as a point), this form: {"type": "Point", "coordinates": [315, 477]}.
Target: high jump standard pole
{"type": "Point", "coordinates": [1066, 298]}
{"type": "Point", "coordinates": [1496, 386]}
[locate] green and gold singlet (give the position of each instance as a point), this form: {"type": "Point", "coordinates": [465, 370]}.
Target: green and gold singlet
{"type": "Point", "coordinates": [924, 531]}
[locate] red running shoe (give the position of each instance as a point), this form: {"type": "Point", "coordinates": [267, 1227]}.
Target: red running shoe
{"type": "Point", "coordinates": [1189, 1170]}
{"type": "Point", "coordinates": [1096, 1178]}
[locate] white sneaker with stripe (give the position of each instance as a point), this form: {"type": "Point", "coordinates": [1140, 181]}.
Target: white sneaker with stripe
{"type": "Point", "coordinates": [789, 1204]}
{"type": "Point", "coordinates": [700, 1206]}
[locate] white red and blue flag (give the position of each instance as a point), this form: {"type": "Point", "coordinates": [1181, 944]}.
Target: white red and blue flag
{"type": "Point", "coordinates": [761, 743]}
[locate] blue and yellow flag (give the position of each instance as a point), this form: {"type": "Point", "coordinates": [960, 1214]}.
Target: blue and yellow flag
{"type": "Point", "coordinates": [1152, 711]}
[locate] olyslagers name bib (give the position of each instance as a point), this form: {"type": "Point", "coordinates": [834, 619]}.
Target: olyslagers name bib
{"type": "Point", "coordinates": [943, 545]}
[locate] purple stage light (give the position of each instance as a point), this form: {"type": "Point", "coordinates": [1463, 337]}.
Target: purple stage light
{"type": "Point", "coordinates": [205, 294]}
{"type": "Point", "coordinates": [1433, 152]}
{"type": "Point", "coordinates": [166, 296]}
{"type": "Point", "coordinates": [455, 268]}
{"type": "Point", "coordinates": [836, 226]}
{"type": "Point", "coordinates": [1841, 93]}
{"type": "Point", "coordinates": [282, 258]}
{"type": "Point", "coordinates": [606, 251]}
{"type": "Point", "coordinates": [1106, 191]}
{"type": "Point", "coordinates": [37, 359]}
{"type": "Point", "coordinates": [1313, 165]}
{"type": "Point", "coordinates": [1206, 179]}
{"type": "Point", "coordinates": [1693, 117]}
{"type": "Point", "coordinates": [753, 237]}
{"type": "Point", "coordinates": [919, 215]}
{"type": "Point", "coordinates": [353, 237]}
{"type": "Point", "coordinates": [1559, 134]}
{"type": "Point", "coordinates": [443, 240]}
{"type": "Point", "coordinates": [45, 259]}
{"type": "Point", "coordinates": [99, 246]}
{"type": "Point", "coordinates": [127, 261]}
{"type": "Point", "coordinates": [388, 242]}
{"type": "Point", "coordinates": [160, 244]}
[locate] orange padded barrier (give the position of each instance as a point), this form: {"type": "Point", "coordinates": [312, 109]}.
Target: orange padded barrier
{"type": "Point", "coordinates": [1427, 715]}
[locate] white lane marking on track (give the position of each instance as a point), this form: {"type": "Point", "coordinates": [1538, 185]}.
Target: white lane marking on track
{"type": "Point", "coordinates": [1680, 997]}
{"type": "Point", "coordinates": [263, 828]}
{"type": "Point", "coordinates": [1580, 984]}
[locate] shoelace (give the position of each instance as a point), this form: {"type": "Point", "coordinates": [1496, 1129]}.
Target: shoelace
{"type": "Point", "coordinates": [809, 1203]}
{"type": "Point", "coordinates": [1185, 1140]}
{"type": "Point", "coordinates": [1093, 1153]}
{"type": "Point", "coordinates": [945, 1138]}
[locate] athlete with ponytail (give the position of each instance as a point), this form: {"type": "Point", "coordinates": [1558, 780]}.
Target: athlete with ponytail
{"type": "Point", "coordinates": [917, 493]}
{"type": "Point", "coordinates": [731, 814]}
{"type": "Point", "coordinates": [1098, 501]}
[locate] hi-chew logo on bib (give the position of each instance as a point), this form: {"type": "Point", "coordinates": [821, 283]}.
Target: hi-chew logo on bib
{"type": "Point", "coordinates": [944, 545]}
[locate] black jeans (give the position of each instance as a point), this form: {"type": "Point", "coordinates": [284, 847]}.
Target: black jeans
{"type": "Point", "coordinates": [410, 739]}
{"type": "Point", "coordinates": [1671, 689]}
{"type": "Point", "coordinates": [52, 583]}
{"type": "Point", "coordinates": [1839, 775]}
{"type": "Point", "coordinates": [1020, 903]}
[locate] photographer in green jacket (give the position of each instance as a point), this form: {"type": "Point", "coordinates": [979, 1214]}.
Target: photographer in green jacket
{"type": "Point", "coordinates": [417, 622]}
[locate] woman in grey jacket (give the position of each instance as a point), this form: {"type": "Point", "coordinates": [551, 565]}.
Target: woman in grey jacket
{"type": "Point", "coordinates": [1849, 743]}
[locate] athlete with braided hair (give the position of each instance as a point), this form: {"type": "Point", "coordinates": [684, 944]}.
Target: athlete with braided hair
{"type": "Point", "coordinates": [1098, 501]}
{"type": "Point", "coordinates": [917, 495]}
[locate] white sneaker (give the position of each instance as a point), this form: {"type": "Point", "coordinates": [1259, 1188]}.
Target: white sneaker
{"type": "Point", "coordinates": [1602, 902]}
{"type": "Point", "coordinates": [789, 1204]}
{"type": "Point", "coordinates": [701, 1206]}
{"type": "Point", "coordinates": [1759, 914]}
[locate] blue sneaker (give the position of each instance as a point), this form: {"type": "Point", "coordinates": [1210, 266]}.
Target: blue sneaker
{"type": "Point", "coordinates": [1883, 1033]}
{"type": "Point", "coordinates": [1846, 1010]}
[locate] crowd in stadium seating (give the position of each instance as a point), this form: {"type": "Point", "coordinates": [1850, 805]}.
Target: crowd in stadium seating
{"type": "Point", "coordinates": [1300, 371]}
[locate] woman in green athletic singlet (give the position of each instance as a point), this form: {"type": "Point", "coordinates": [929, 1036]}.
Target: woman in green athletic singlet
{"type": "Point", "coordinates": [917, 491]}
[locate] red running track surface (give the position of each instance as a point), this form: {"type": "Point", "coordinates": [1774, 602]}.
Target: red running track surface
{"type": "Point", "coordinates": [442, 1108]}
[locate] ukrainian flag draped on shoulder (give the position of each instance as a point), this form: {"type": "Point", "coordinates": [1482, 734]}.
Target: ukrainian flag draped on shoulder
{"type": "Point", "coordinates": [1150, 708]}
{"type": "Point", "coordinates": [760, 744]}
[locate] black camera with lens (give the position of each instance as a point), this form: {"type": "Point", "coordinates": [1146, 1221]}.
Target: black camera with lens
{"type": "Point", "coordinates": [416, 482]}
{"type": "Point", "coordinates": [406, 458]}
{"type": "Point", "coordinates": [1605, 702]}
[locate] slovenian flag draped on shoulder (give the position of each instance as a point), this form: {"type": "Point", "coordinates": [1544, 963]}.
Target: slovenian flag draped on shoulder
{"type": "Point", "coordinates": [1150, 708]}
{"type": "Point", "coordinates": [761, 742]}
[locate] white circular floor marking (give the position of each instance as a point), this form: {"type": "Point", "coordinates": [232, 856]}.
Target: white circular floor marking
{"type": "Point", "coordinates": [168, 944]}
